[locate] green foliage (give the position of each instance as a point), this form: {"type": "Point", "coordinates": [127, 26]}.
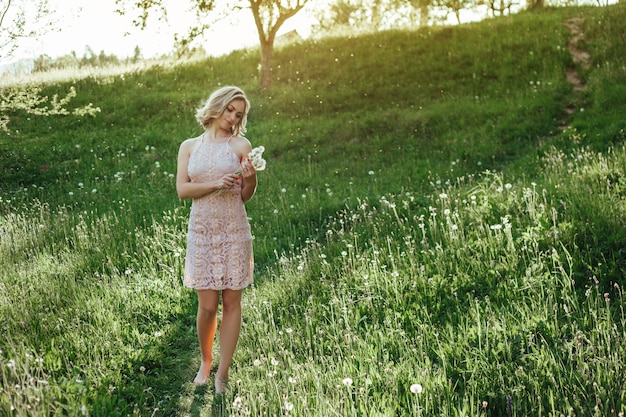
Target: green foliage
{"type": "Point", "coordinates": [429, 238]}
{"type": "Point", "coordinates": [29, 99]}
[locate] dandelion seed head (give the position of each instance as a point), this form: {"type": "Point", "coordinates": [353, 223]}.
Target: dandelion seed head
{"type": "Point", "coordinates": [416, 388]}
{"type": "Point", "coordinates": [347, 381]}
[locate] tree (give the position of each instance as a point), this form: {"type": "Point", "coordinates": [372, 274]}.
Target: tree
{"type": "Point", "coordinates": [136, 55]}
{"type": "Point", "coordinates": [269, 16]}
{"type": "Point", "coordinates": [21, 19]}
{"type": "Point", "coordinates": [423, 6]}
{"type": "Point", "coordinates": [455, 6]}
{"type": "Point", "coordinates": [354, 15]}
{"type": "Point", "coordinates": [500, 7]}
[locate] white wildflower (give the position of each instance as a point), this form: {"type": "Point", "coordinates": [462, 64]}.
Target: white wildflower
{"type": "Point", "coordinates": [416, 388]}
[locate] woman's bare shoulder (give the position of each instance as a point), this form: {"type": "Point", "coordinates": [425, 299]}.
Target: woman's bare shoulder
{"type": "Point", "coordinates": [240, 140]}
{"type": "Point", "coordinates": [241, 145]}
{"type": "Point", "coordinates": [190, 144]}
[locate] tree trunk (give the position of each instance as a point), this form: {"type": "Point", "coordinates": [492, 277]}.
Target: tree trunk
{"type": "Point", "coordinates": [275, 14]}
{"type": "Point", "coordinates": [376, 15]}
{"type": "Point", "coordinates": [267, 53]}
{"type": "Point", "coordinates": [424, 15]}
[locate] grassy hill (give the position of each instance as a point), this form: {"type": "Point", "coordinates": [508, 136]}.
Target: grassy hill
{"type": "Point", "coordinates": [440, 231]}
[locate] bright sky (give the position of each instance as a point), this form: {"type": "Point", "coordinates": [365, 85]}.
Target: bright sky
{"type": "Point", "coordinates": [94, 23]}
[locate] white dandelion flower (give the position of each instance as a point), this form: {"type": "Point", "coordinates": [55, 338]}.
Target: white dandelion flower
{"type": "Point", "coordinates": [416, 388]}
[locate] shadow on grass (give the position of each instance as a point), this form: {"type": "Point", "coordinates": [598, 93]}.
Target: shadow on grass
{"type": "Point", "coordinates": [218, 406]}
{"type": "Point", "coordinates": [201, 401]}
{"type": "Point", "coordinates": [174, 363]}
{"type": "Point", "coordinates": [165, 389]}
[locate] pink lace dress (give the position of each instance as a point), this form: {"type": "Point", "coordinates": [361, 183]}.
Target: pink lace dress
{"type": "Point", "coordinates": [219, 243]}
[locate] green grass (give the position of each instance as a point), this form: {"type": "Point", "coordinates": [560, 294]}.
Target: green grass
{"type": "Point", "coordinates": [423, 219]}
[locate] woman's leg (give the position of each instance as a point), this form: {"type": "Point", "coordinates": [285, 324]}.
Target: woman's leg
{"type": "Point", "coordinates": [206, 324]}
{"type": "Point", "coordinates": [229, 335]}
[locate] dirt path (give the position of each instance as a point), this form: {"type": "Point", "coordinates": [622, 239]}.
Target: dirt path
{"type": "Point", "coordinates": [579, 55]}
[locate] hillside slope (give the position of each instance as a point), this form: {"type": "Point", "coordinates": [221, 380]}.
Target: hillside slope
{"type": "Point", "coordinates": [439, 230]}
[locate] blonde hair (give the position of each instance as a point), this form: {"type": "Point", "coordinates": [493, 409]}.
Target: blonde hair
{"type": "Point", "coordinates": [217, 103]}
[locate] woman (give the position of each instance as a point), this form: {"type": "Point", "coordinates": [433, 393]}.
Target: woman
{"type": "Point", "coordinates": [219, 243]}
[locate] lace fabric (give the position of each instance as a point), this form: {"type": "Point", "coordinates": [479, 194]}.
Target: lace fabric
{"type": "Point", "coordinates": [219, 242]}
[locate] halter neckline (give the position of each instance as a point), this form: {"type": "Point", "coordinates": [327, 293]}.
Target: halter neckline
{"type": "Point", "coordinates": [206, 139]}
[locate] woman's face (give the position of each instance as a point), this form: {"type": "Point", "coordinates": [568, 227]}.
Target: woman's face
{"type": "Point", "coordinates": [232, 114]}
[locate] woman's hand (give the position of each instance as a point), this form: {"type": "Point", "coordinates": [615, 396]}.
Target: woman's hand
{"type": "Point", "coordinates": [227, 181]}
{"type": "Point", "coordinates": [247, 169]}
{"type": "Point", "coordinates": [249, 179]}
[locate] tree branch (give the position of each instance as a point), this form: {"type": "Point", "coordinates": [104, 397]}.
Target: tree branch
{"type": "Point", "coordinates": [4, 13]}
